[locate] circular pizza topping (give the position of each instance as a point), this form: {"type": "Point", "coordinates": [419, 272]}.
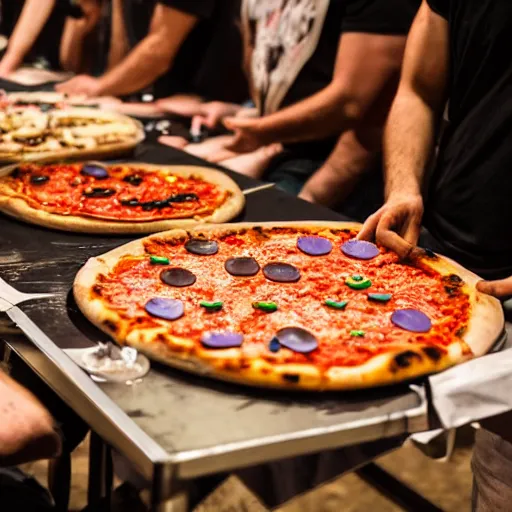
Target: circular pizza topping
{"type": "Point", "coordinates": [297, 339]}
{"type": "Point", "coordinates": [281, 272]}
{"type": "Point", "coordinates": [268, 307]}
{"type": "Point", "coordinates": [274, 345]}
{"type": "Point", "coordinates": [222, 339]}
{"type": "Point", "coordinates": [168, 309]}
{"type": "Point", "coordinates": [202, 247]}
{"type": "Point", "coordinates": [39, 179]}
{"type": "Point", "coordinates": [178, 277]}
{"type": "Point", "coordinates": [358, 282]}
{"type": "Point", "coordinates": [211, 306]}
{"type": "Point", "coordinates": [411, 320]}
{"type": "Point", "coordinates": [242, 267]}
{"type": "Point", "coordinates": [159, 260]}
{"type": "Point", "coordinates": [99, 192]}
{"type": "Point", "coordinates": [133, 179]}
{"type": "Point", "coordinates": [183, 198]}
{"type": "Point", "coordinates": [380, 297]}
{"type": "Point", "coordinates": [336, 304]}
{"type": "Point", "coordinates": [95, 171]}
{"type": "Point", "coordinates": [360, 249]}
{"type": "Point", "coordinates": [314, 245]}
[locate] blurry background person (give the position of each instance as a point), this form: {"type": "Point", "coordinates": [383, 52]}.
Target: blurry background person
{"type": "Point", "coordinates": [176, 46]}
{"type": "Point", "coordinates": [317, 69]}
{"type": "Point", "coordinates": [54, 30]}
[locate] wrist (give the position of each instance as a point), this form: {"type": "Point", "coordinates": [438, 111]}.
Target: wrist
{"type": "Point", "coordinates": [9, 63]}
{"type": "Point", "coordinates": [262, 132]}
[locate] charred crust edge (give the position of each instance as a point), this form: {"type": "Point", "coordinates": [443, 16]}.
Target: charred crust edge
{"type": "Point", "coordinates": [404, 360]}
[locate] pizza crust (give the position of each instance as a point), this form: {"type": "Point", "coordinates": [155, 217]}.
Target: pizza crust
{"type": "Point", "coordinates": [17, 207]}
{"type": "Point", "coordinates": [486, 325]}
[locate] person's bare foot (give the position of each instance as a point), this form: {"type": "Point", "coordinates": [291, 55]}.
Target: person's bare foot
{"type": "Point", "coordinates": [209, 147]}
{"type": "Point", "coordinates": [173, 141]}
{"type": "Point", "coordinates": [253, 164]}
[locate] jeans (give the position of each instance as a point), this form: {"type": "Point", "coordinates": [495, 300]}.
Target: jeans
{"type": "Point", "coordinates": [492, 472]}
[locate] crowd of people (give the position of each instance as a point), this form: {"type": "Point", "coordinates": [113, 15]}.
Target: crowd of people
{"type": "Point", "coordinates": [396, 113]}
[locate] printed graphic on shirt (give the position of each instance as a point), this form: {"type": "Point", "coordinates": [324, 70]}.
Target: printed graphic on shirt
{"type": "Point", "coordinates": [285, 34]}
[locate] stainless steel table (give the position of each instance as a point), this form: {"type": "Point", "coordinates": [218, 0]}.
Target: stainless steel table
{"type": "Point", "coordinates": [172, 426]}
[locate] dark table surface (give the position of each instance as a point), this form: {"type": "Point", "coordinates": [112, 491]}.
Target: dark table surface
{"type": "Point", "coordinates": [198, 422]}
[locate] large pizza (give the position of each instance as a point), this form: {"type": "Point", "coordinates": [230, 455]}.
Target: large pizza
{"type": "Point", "coordinates": [27, 133]}
{"type": "Point", "coordinates": [291, 305]}
{"type": "Point", "coordinates": [122, 198]}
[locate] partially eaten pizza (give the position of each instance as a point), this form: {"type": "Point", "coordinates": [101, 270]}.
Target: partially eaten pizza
{"type": "Point", "coordinates": [66, 133]}
{"type": "Point", "coordinates": [120, 199]}
{"type": "Point", "coordinates": [290, 305]}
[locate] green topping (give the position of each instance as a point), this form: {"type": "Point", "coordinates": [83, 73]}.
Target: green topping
{"type": "Point", "coordinates": [335, 304]}
{"type": "Point", "coordinates": [357, 334]}
{"type": "Point", "coordinates": [268, 307]}
{"type": "Point", "coordinates": [380, 297]}
{"type": "Point", "coordinates": [358, 282]}
{"type": "Point", "coordinates": [211, 306]}
{"type": "Point", "coordinates": [159, 260]}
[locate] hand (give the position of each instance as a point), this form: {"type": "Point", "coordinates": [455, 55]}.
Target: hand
{"type": "Point", "coordinates": [81, 84]}
{"type": "Point", "coordinates": [213, 112]}
{"type": "Point", "coordinates": [397, 224]}
{"type": "Point", "coordinates": [247, 136]}
{"type": "Point", "coordinates": [499, 289]}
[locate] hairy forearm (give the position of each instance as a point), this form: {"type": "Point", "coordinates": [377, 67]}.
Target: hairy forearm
{"type": "Point", "coordinates": [72, 45]}
{"type": "Point", "coordinates": [408, 144]}
{"type": "Point", "coordinates": [327, 113]}
{"type": "Point", "coordinates": [33, 17]}
{"type": "Point", "coordinates": [139, 69]}
{"type": "Point", "coordinates": [335, 180]}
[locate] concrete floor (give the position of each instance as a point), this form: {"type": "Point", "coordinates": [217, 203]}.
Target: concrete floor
{"type": "Point", "coordinates": [448, 485]}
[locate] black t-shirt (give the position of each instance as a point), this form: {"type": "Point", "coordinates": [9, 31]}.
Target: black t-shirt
{"type": "Point", "coordinates": [209, 63]}
{"type": "Point", "coordinates": [470, 199]}
{"type": "Point", "coordinates": [294, 56]}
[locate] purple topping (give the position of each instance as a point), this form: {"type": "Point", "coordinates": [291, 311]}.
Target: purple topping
{"type": "Point", "coordinates": [96, 171]}
{"type": "Point", "coordinates": [168, 309]}
{"type": "Point", "coordinates": [314, 245]}
{"type": "Point", "coordinates": [360, 249]}
{"type": "Point", "coordinates": [297, 339]}
{"type": "Point", "coordinates": [411, 320]}
{"type": "Point", "coordinates": [222, 339]}
{"type": "Point", "coordinates": [178, 277]}
{"type": "Point", "coordinates": [281, 272]}
{"type": "Point", "coordinates": [242, 267]}
{"type": "Point", "coordinates": [202, 247]}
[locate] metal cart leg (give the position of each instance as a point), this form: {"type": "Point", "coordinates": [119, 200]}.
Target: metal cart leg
{"type": "Point", "coordinates": [100, 475]}
{"type": "Point", "coordinates": [167, 494]}
{"type": "Point", "coordinates": [59, 481]}
{"type": "Point", "coordinates": [395, 490]}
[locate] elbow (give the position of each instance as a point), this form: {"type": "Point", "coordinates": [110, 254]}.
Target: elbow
{"type": "Point", "coordinates": [353, 111]}
{"type": "Point", "coordinates": [159, 56]}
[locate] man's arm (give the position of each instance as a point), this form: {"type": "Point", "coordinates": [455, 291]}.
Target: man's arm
{"type": "Point", "coordinates": [149, 60]}
{"type": "Point", "coordinates": [366, 64]}
{"type": "Point", "coordinates": [75, 34]}
{"type": "Point", "coordinates": [410, 132]}
{"type": "Point", "coordinates": [33, 18]}
{"type": "Point", "coordinates": [27, 431]}
{"type": "Point", "coordinates": [335, 180]}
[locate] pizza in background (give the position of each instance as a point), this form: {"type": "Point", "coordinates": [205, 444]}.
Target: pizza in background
{"type": "Point", "coordinates": [119, 199]}
{"type": "Point", "coordinates": [67, 133]}
{"type": "Point", "coordinates": [289, 305]}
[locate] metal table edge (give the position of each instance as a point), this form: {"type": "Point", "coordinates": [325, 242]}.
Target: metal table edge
{"type": "Point", "coordinates": [130, 439]}
{"type": "Point", "coordinates": [195, 463]}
